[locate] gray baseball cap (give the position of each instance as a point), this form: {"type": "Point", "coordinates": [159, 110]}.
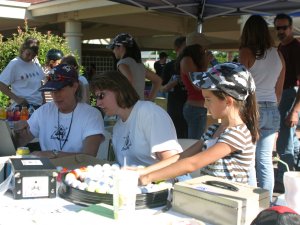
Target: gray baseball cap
{"type": "Point", "coordinates": [232, 78]}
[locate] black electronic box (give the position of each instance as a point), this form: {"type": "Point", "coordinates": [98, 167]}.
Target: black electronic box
{"type": "Point", "coordinates": [33, 178]}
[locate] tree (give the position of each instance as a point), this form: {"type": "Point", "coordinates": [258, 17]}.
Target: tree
{"type": "Point", "coordinates": [10, 48]}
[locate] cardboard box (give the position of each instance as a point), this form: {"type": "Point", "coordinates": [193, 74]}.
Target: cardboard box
{"type": "Point", "coordinates": [217, 205]}
{"type": "Point", "coordinates": [77, 161]}
{"type": "Point", "coordinates": [33, 178]}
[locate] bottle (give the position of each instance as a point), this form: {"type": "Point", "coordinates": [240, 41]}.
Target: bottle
{"type": "Point", "coordinates": [2, 113]}
{"type": "Point", "coordinates": [10, 117]}
{"type": "Point", "coordinates": [24, 113]}
{"type": "Point", "coordinates": [17, 114]}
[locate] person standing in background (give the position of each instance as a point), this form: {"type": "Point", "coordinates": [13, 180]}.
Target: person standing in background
{"type": "Point", "coordinates": [287, 142]}
{"type": "Point", "coordinates": [193, 58]}
{"type": "Point", "coordinates": [160, 64]}
{"type": "Point", "coordinates": [266, 64]}
{"type": "Point", "coordinates": [159, 67]}
{"type": "Point", "coordinates": [53, 58]}
{"type": "Point", "coordinates": [173, 85]}
{"type": "Point", "coordinates": [128, 54]}
{"type": "Point", "coordinates": [22, 77]}
{"type": "Point", "coordinates": [84, 84]}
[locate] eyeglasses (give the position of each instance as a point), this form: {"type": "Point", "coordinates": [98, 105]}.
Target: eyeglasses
{"type": "Point", "coordinates": [57, 77]}
{"type": "Point", "coordinates": [282, 27]}
{"type": "Point", "coordinates": [100, 96]}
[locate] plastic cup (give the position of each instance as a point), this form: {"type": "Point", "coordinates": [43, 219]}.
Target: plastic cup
{"type": "Point", "coordinates": [291, 182]}
{"type": "Point", "coordinates": [124, 196]}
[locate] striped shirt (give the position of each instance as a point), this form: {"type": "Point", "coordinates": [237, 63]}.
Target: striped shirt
{"type": "Point", "coordinates": [236, 165]}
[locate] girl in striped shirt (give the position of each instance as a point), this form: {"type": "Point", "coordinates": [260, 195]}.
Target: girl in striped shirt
{"type": "Point", "coordinates": [226, 150]}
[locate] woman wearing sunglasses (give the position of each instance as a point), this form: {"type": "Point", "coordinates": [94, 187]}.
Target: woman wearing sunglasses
{"type": "Point", "coordinates": [144, 133]}
{"type": "Point", "coordinates": [64, 126]}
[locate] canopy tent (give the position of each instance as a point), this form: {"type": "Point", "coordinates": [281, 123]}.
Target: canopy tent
{"type": "Point", "coordinates": [204, 9]}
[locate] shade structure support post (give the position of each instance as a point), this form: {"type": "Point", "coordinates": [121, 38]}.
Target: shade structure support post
{"type": "Point", "coordinates": [200, 16]}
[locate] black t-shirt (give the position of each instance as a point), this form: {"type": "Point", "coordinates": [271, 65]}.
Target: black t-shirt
{"type": "Point", "coordinates": [291, 54]}
{"type": "Point", "coordinates": [159, 68]}
{"type": "Point", "coordinates": [178, 93]}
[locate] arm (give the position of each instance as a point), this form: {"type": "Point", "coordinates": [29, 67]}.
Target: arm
{"type": "Point", "coordinates": [170, 85]}
{"type": "Point", "coordinates": [293, 116]}
{"type": "Point", "coordinates": [156, 83]}
{"type": "Point", "coordinates": [90, 147]}
{"type": "Point", "coordinates": [280, 81]}
{"type": "Point", "coordinates": [125, 70]}
{"type": "Point", "coordinates": [246, 57]}
{"type": "Point", "coordinates": [92, 143]}
{"type": "Point", "coordinates": [5, 89]}
{"type": "Point", "coordinates": [22, 133]}
{"type": "Point", "coordinates": [189, 164]}
{"type": "Point", "coordinates": [194, 149]}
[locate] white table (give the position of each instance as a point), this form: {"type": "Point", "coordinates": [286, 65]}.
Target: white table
{"type": "Point", "coordinates": [46, 211]}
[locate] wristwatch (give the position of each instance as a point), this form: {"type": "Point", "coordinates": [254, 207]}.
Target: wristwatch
{"type": "Point", "coordinates": [55, 153]}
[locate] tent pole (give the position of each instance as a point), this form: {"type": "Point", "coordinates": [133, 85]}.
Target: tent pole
{"type": "Point", "coordinates": [200, 16]}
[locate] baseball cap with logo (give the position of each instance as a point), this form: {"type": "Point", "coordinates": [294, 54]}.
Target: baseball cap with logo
{"type": "Point", "coordinates": [232, 78]}
{"type": "Point", "coordinates": [277, 215]}
{"type": "Point", "coordinates": [121, 39]}
{"type": "Point", "coordinates": [59, 77]}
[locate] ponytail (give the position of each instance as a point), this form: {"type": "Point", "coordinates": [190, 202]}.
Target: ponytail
{"type": "Point", "coordinates": [249, 114]}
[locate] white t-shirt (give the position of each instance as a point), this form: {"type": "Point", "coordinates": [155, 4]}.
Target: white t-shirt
{"type": "Point", "coordinates": [265, 73]}
{"type": "Point", "coordinates": [148, 130]}
{"type": "Point", "coordinates": [138, 71]}
{"type": "Point", "coordinates": [25, 79]}
{"type": "Point", "coordinates": [52, 127]}
{"type": "Point", "coordinates": [85, 89]}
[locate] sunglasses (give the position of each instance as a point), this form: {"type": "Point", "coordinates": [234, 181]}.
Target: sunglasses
{"type": "Point", "coordinates": [100, 96]}
{"type": "Point", "coordinates": [58, 77]}
{"type": "Point", "coordinates": [282, 27]}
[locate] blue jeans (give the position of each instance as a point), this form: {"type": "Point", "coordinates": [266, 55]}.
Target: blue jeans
{"type": "Point", "coordinates": [269, 122]}
{"type": "Point", "coordinates": [287, 142]}
{"type": "Point", "coordinates": [196, 120]}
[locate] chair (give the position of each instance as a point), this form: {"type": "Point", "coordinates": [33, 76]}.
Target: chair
{"type": "Point", "coordinates": [104, 146]}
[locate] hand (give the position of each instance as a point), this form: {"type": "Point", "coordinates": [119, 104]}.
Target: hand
{"type": "Point", "coordinates": [43, 154]}
{"type": "Point", "coordinates": [143, 180]}
{"type": "Point", "coordinates": [21, 126]}
{"type": "Point", "coordinates": [140, 169]}
{"type": "Point", "coordinates": [292, 119]}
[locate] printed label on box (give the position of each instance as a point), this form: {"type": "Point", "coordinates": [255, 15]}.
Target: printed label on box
{"type": "Point", "coordinates": [29, 162]}
{"type": "Point", "coordinates": [35, 187]}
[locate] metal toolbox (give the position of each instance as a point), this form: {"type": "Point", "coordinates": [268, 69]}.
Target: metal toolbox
{"type": "Point", "coordinates": [218, 201]}
{"type": "Point", "coordinates": [33, 178]}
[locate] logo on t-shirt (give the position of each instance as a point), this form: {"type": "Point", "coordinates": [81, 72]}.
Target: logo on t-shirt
{"type": "Point", "coordinates": [127, 142]}
{"type": "Point", "coordinates": [59, 133]}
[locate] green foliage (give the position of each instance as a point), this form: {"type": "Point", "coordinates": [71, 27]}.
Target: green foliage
{"type": "Point", "coordinates": [10, 48]}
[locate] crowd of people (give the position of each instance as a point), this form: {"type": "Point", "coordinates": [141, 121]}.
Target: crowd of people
{"type": "Point", "coordinates": [257, 100]}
